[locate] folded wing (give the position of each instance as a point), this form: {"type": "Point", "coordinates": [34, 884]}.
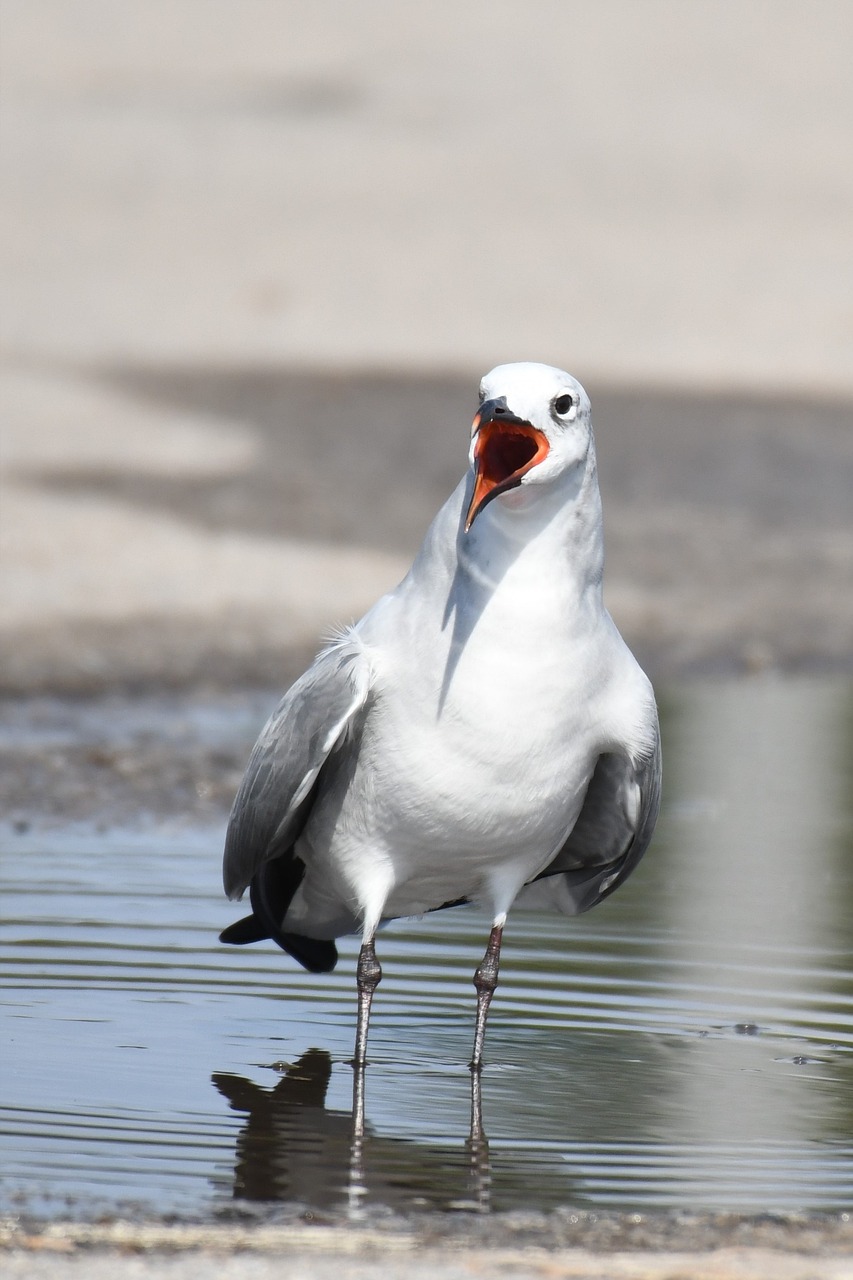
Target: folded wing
{"type": "Point", "coordinates": [276, 795]}
{"type": "Point", "coordinates": [612, 833]}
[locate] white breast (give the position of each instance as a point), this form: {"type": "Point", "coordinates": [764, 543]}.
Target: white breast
{"type": "Point", "coordinates": [493, 670]}
{"type": "Point", "coordinates": [472, 765]}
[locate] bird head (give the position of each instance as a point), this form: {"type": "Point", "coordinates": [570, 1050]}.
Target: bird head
{"type": "Point", "coordinates": [532, 427]}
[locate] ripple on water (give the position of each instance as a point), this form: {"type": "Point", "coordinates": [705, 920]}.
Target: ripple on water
{"type": "Point", "coordinates": [689, 1044]}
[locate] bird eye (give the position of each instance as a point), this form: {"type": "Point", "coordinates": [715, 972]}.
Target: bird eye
{"type": "Point", "coordinates": [564, 405]}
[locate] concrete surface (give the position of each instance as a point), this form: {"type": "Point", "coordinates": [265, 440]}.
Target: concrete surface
{"type": "Point", "coordinates": [223, 221]}
{"type": "Point", "coordinates": [210, 525]}
{"type": "Point", "coordinates": [656, 192]}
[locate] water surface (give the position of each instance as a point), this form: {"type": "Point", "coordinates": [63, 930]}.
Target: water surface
{"type": "Point", "coordinates": [686, 1045]}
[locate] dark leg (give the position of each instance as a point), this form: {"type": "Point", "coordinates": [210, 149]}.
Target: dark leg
{"type": "Point", "coordinates": [368, 975]}
{"type": "Point", "coordinates": [478, 1148]}
{"type": "Point", "coordinates": [357, 1116]}
{"type": "Point", "coordinates": [476, 1137]}
{"type": "Point", "coordinates": [486, 980]}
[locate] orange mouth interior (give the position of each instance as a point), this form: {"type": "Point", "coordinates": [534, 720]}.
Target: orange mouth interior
{"type": "Point", "coordinates": [503, 454]}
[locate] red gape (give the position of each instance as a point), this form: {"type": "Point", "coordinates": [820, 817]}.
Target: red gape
{"type": "Point", "coordinates": [504, 452]}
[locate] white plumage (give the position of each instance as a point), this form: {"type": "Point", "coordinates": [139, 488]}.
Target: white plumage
{"type": "Point", "coordinates": [483, 733]}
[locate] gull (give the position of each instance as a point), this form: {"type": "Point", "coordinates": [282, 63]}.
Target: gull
{"type": "Point", "coordinates": [482, 735]}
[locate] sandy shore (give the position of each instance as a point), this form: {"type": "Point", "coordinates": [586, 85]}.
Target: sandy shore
{"type": "Point", "coordinates": [521, 1246]}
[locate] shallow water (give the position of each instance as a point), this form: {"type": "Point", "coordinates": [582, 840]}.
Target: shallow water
{"type": "Point", "coordinates": [688, 1044]}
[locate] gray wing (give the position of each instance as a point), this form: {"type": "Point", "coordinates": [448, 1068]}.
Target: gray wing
{"type": "Point", "coordinates": [611, 835]}
{"type": "Point", "coordinates": [275, 796]}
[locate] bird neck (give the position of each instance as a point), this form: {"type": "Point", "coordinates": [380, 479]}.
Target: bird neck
{"type": "Point", "coordinates": [552, 534]}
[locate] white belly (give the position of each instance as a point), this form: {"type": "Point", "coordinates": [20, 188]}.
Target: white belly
{"type": "Point", "coordinates": [468, 799]}
{"type": "Point", "coordinates": [496, 679]}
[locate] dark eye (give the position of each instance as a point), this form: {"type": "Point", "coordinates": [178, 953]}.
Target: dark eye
{"type": "Point", "coordinates": [563, 405]}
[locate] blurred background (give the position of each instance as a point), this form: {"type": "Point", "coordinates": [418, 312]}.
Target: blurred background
{"type": "Point", "coordinates": [257, 254]}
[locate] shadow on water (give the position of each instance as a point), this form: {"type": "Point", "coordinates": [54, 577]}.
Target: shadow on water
{"type": "Point", "coordinates": [688, 1044]}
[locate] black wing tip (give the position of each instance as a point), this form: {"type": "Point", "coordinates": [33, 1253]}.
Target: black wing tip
{"type": "Point", "coordinates": [314, 954]}
{"type": "Point", "coordinates": [249, 929]}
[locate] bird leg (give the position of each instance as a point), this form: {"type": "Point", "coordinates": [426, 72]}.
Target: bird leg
{"type": "Point", "coordinates": [368, 975]}
{"type": "Point", "coordinates": [476, 1136]}
{"type": "Point", "coordinates": [478, 1148]}
{"type": "Point", "coordinates": [356, 1170]}
{"type": "Point", "coordinates": [486, 980]}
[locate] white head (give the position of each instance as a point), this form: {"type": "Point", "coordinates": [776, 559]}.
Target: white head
{"type": "Point", "coordinates": [532, 427]}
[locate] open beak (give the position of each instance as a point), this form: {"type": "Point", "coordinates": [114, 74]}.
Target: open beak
{"type": "Point", "coordinates": [505, 450]}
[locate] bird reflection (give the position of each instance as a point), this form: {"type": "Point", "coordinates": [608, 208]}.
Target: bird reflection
{"type": "Point", "coordinates": [293, 1148]}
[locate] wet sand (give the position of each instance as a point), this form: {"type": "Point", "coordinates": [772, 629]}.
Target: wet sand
{"type": "Point", "coordinates": [530, 1245]}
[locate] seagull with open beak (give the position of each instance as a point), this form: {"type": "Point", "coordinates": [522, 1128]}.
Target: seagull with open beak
{"type": "Point", "coordinates": [482, 735]}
